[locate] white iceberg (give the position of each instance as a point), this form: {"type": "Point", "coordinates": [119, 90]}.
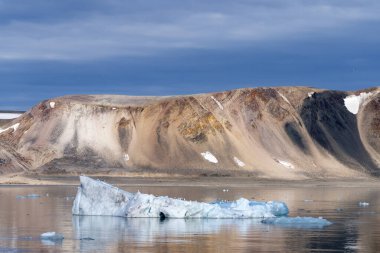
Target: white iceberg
{"type": "Point", "coordinates": [95, 197]}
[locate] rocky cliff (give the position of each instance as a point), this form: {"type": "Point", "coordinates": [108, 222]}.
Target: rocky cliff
{"type": "Point", "coordinates": [279, 133]}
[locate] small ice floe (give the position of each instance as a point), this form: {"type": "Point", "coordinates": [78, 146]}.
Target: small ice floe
{"type": "Point", "coordinates": [52, 236]}
{"type": "Point", "coordinates": [285, 164]}
{"type": "Point", "coordinates": [126, 157]}
{"type": "Point", "coordinates": [6, 115]}
{"type": "Point", "coordinates": [25, 238]}
{"type": "Point", "coordinates": [239, 162]}
{"type": "Point", "coordinates": [29, 196]}
{"type": "Point", "coordinates": [218, 103]}
{"type": "Point", "coordinates": [52, 104]}
{"type": "Point", "coordinates": [353, 247]}
{"type": "Point", "coordinates": [209, 157]}
{"type": "Point", "coordinates": [114, 108]}
{"type": "Point", "coordinates": [14, 127]}
{"type": "Point", "coordinates": [354, 102]}
{"type": "Point", "coordinates": [298, 222]}
{"type": "Point", "coordinates": [310, 94]}
{"type": "Point", "coordinates": [363, 204]}
{"type": "Point", "coordinates": [226, 190]}
{"type": "Point", "coordinates": [87, 239]}
{"type": "Point", "coordinates": [283, 97]}
{"type": "Point", "coordinates": [308, 200]}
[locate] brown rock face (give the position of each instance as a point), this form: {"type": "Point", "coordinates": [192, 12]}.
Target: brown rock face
{"type": "Point", "coordinates": [279, 133]}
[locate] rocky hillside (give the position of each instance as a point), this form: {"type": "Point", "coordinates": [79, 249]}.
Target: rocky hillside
{"type": "Point", "coordinates": [278, 133]}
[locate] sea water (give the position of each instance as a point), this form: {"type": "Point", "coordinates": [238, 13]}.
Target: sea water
{"type": "Point", "coordinates": [355, 228]}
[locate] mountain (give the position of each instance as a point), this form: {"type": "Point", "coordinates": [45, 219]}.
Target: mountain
{"type": "Point", "coordinates": [274, 133]}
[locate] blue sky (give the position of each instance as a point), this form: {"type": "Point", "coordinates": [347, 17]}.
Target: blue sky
{"type": "Point", "coordinates": [136, 47]}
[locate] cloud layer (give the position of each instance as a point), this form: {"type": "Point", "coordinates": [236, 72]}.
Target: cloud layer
{"type": "Point", "coordinates": [51, 48]}
{"type": "Point", "coordinates": [80, 30]}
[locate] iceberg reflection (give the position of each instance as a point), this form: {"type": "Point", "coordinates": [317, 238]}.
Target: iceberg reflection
{"type": "Point", "coordinates": [148, 230]}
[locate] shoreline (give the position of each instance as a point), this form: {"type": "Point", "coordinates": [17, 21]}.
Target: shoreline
{"type": "Point", "coordinates": [165, 180]}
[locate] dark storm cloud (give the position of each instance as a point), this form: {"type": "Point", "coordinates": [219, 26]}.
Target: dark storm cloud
{"type": "Point", "coordinates": [50, 48]}
{"type": "Point", "coordinates": [68, 30]}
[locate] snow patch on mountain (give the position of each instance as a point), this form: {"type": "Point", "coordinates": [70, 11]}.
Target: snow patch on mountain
{"type": "Point", "coordinates": [353, 102]}
{"type": "Point", "coordinates": [218, 103]}
{"type": "Point", "coordinates": [285, 164]}
{"type": "Point", "coordinates": [209, 157]}
{"type": "Point", "coordinates": [283, 97]}
{"type": "Point", "coordinates": [239, 162]}
{"type": "Point", "coordinates": [14, 127]}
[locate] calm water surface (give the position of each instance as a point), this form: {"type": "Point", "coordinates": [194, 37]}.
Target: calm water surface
{"type": "Point", "coordinates": [354, 229]}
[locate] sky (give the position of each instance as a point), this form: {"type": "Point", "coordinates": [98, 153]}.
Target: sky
{"type": "Point", "coordinates": [167, 47]}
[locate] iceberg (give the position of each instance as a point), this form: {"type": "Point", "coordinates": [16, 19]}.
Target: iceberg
{"type": "Point", "coordinates": [95, 197]}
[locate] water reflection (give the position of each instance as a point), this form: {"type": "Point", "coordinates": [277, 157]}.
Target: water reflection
{"type": "Point", "coordinates": [149, 229]}
{"type": "Point", "coordinates": [355, 228]}
{"type": "Point", "coordinates": [153, 233]}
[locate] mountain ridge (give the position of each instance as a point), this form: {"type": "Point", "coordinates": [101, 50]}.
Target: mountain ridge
{"type": "Point", "coordinates": [265, 132]}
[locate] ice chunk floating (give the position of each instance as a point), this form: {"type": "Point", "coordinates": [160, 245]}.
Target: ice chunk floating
{"type": "Point", "coordinates": [95, 197]}
{"type": "Point", "coordinates": [301, 222]}
{"type": "Point", "coordinates": [52, 236]}
{"type": "Point", "coordinates": [29, 196]}
{"type": "Point", "coordinates": [363, 204]}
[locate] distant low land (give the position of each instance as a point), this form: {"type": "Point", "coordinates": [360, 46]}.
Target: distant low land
{"type": "Point", "coordinates": [23, 179]}
{"type": "Point", "coordinates": [8, 116]}
{"type": "Point", "coordinates": [280, 133]}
